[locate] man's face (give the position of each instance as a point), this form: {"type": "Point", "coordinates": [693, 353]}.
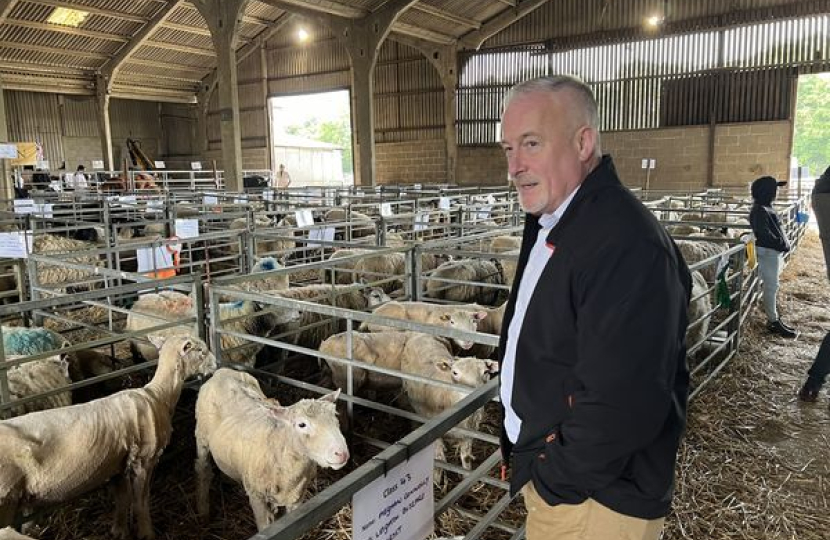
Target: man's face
{"type": "Point", "coordinates": [546, 148]}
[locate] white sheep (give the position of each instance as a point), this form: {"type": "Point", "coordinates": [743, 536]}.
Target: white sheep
{"type": "Point", "coordinates": [10, 534]}
{"type": "Point", "coordinates": [57, 275]}
{"type": "Point", "coordinates": [30, 341]}
{"type": "Point", "coordinates": [429, 357]}
{"type": "Point", "coordinates": [500, 244]}
{"type": "Point", "coordinates": [698, 312]}
{"type": "Point", "coordinates": [449, 316]}
{"type": "Point", "coordinates": [382, 349]}
{"type": "Point", "coordinates": [272, 282]}
{"type": "Point", "coordinates": [698, 250]}
{"type": "Point", "coordinates": [478, 271]}
{"type": "Point", "coordinates": [37, 377]}
{"type": "Point", "coordinates": [273, 451]}
{"type": "Point", "coordinates": [42, 462]}
{"type": "Point", "coordinates": [155, 309]}
{"type": "Point", "coordinates": [307, 330]}
{"type": "Point", "coordinates": [361, 224]}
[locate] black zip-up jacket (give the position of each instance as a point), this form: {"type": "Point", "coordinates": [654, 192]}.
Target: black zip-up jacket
{"type": "Point", "coordinates": [766, 226]}
{"type": "Point", "coordinates": [601, 381]}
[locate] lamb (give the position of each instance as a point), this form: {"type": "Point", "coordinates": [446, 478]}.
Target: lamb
{"type": "Point", "coordinates": [271, 282]}
{"type": "Point", "coordinates": [450, 316]}
{"type": "Point", "coordinates": [373, 268]}
{"type": "Point", "coordinates": [37, 377]}
{"type": "Point", "coordinates": [698, 250]}
{"type": "Point", "coordinates": [167, 306]}
{"type": "Point", "coordinates": [471, 270]}
{"type": "Point", "coordinates": [272, 450]}
{"type": "Point", "coordinates": [427, 356]}
{"type": "Point", "coordinates": [30, 341]}
{"type": "Point", "coordinates": [382, 349]}
{"type": "Point", "coordinates": [391, 240]}
{"type": "Point", "coordinates": [361, 224]}
{"type": "Point", "coordinates": [382, 267]}
{"type": "Point", "coordinates": [698, 312]}
{"type": "Point", "coordinates": [306, 330]}
{"type": "Point", "coordinates": [123, 435]}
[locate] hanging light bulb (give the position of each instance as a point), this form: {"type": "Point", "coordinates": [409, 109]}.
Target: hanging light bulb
{"type": "Point", "coordinates": [302, 35]}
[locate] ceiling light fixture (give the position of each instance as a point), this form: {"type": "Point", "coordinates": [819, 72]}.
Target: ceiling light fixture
{"type": "Point", "coordinates": [67, 17]}
{"type": "Point", "coordinates": [302, 35]}
{"type": "Point", "coordinates": [654, 21]}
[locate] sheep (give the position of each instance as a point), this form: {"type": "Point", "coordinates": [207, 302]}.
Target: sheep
{"type": "Point", "coordinates": [373, 268]}
{"type": "Point", "coordinates": [450, 316]}
{"type": "Point", "coordinates": [382, 349]}
{"type": "Point", "coordinates": [429, 357]}
{"type": "Point", "coordinates": [155, 309]}
{"type": "Point", "coordinates": [87, 363]}
{"type": "Point", "coordinates": [382, 267]}
{"type": "Point", "coordinates": [699, 307]}
{"type": "Point", "coordinates": [55, 275]}
{"type": "Point", "coordinates": [501, 244]}
{"type": "Point", "coordinates": [273, 451]}
{"type": "Point", "coordinates": [30, 341]}
{"type": "Point", "coordinates": [37, 377]}
{"type": "Point", "coordinates": [10, 534]}
{"type": "Point", "coordinates": [273, 282]}
{"type": "Point", "coordinates": [361, 224]}
{"type": "Point", "coordinates": [259, 221]}
{"type": "Point", "coordinates": [471, 270]}
{"type": "Point", "coordinates": [698, 250]}
{"type": "Point", "coordinates": [122, 435]}
{"type": "Point", "coordinates": [343, 272]}
{"type": "Point", "coordinates": [345, 296]}
{"type": "Point", "coordinates": [391, 239]}
{"type": "Point", "coordinates": [682, 230]}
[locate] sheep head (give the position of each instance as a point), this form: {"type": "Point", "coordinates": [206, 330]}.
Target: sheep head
{"type": "Point", "coordinates": [192, 355]}
{"type": "Point", "coordinates": [315, 428]}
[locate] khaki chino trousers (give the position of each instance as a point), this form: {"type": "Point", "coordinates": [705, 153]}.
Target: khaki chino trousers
{"type": "Point", "coordinates": [586, 521]}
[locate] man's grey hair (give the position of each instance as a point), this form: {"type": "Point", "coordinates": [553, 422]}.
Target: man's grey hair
{"type": "Point", "coordinates": [556, 83]}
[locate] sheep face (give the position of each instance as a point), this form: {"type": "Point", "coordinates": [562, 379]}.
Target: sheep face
{"type": "Point", "coordinates": [316, 429]}
{"type": "Point", "coordinates": [192, 353]}
{"type": "Point", "coordinates": [472, 371]}
{"type": "Point", "coordinates": [463, 320]}
{"type": "Point", "coordinates": [375, 297]}
{"type": "Point", "coordinates": [270, 318]}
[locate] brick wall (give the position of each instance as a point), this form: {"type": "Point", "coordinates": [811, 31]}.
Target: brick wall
{"type": "Point", "coordinates": [743, 152]}
{"type": "Point", "coordinates": [481, 165]}
{"type": "Point", "coordinates": [417, 162]}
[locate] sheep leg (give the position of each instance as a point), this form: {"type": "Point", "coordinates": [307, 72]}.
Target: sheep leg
{"type": "Point", "coordinates": [121, 516]}
{"type": "Point", "coordinates": [466, 448]}
{"type": "Point", "coordinates": [440, 455]}
{"type": "Point", "coordinates": [262, 512]}
{"type": "Point", "coordinates": [142, 474]}
{"type": "Point", "coordinates": [204, 476]}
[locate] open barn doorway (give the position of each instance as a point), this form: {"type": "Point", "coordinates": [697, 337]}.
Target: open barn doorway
{"type": "Point", "coordinates": [311, 136]}
{"type": "Point", "coordinates": [811, 140]}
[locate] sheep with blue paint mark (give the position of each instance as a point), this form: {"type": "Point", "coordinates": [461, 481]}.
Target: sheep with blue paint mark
{"type": "Point", "coordinates": [273, 281]}
{"type": "Point", "coordinates": [30, 341]}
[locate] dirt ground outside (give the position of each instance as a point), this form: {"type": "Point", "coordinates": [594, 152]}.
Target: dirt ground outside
{"type": "Point", "coordinates": [755, 463]}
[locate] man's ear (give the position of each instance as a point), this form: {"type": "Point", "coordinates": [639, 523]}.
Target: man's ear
{"type": "Point", "coordinates": [586, 142]}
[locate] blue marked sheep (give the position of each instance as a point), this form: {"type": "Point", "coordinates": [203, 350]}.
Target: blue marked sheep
{"type": "Point", "coordinates": [30, 341]}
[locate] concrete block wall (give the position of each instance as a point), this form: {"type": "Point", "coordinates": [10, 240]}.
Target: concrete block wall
{"type": "Point", "coordinates": [743, 152]}
{"type": "Point", "coordinates": [481, 165]}
{"type": "Point", "coordinates": [418, 162]}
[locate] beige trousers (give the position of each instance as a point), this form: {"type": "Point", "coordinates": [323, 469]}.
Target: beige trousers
{"type": "Point", "coordinates": [586, 521]}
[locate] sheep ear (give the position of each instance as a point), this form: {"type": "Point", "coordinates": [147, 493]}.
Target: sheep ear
{"type": "Point", "coordinates": [445, 317]}
{"type": "Point", "coordinates": [492, 366]}
{"type": "Point", "coordinates": [278, 413]}
{"type": "Point", "coordinates": [331, 397]}
{"type": "Point", "coordinates": [480, 315]}
{"type": "Point", "coordinates": [443, 365]}
{"type": "Point", "coordinates": [186, 347]}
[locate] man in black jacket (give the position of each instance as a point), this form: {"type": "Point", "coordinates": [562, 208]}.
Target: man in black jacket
{"type": "Point", "coordinates": [594, 380]}
{"type": "Point", "coordinates": [771, 243]}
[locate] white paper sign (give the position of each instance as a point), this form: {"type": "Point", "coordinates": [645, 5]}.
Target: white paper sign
{"type": "Point", "coordinates": [652, 163]}
{"type": "Point", "coordinates": [187, 228]}
{"type": "Point", "coordinates": [304, 218]}
{"type": "Point", "coordinates": [210, 199]}
{"type": "Point", "coordinates": [324, 233]}
{"type": "Point", "coordinates": [43, 210]}
{"type": "Point", "coordinates": [55, 185]}
{"type": "Point", "coordinates": [8, 151]}
{"type": "Point", "coordinates": [150, 259]}
{"type": "Point", "coordinates": [97, 164]}
{"type": "Point", "coordinates": [483, 212]}
{"type": "Point", "coordinates": [43, 164]}
{"type": "Point", "coordinates": [416, 187]}
{"type": "Point", "coordinates": [154, 206]}
{"type": "Point", "coordinates": [24, 206]}
{"type": "Point", "coordinates": [240, 200]}
{"type": "Point", "coordinates": [195, 165]}
{"type": "Point", "coordinates": [268, 194]}
{"type": "Point", "coordinates": [386, 209]}
{"type": "Point", "coordinates": [444, 203]}
{"type": "Point", "coordinates": [159, 165]}
{"type": "Point", "coordinates": [645, 164]}
{"type": "Point", "coordinates": [421, 221]}
{"type": "Point", "coordinates": [16, 244]}
{"type": "Point", "coordinates": [398, 506]}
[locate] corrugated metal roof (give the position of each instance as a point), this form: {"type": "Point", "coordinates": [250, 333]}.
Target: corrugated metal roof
{"type": "Point", "coordinates": [182, 44]}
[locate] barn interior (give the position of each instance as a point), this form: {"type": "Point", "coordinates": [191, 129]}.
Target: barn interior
{"type": "Point", "coordinates": [182, 224]}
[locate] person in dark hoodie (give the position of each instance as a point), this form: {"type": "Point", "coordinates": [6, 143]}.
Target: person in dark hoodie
{"type": "Point", "coordinates": [821, 209]}
{"type": "Point", "coordinates": [771, 243]}
{"type": "Point", "coordinates": [594, 380]}
{"type": "Point", "coordinates": [817, 374]}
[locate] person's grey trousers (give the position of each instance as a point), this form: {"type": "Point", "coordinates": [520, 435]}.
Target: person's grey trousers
{"type": "Point", "coordinates": [821, 209]}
